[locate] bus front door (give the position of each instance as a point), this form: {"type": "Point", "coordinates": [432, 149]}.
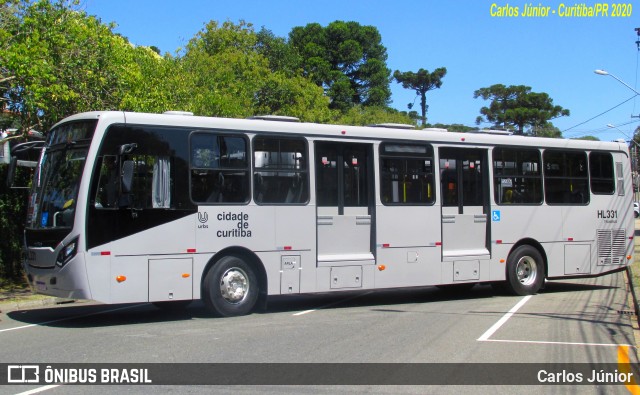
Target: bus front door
{"type": "Point", "coordinates": [344, 198]}
{"type": "Point", "coordinates": [465, 203]}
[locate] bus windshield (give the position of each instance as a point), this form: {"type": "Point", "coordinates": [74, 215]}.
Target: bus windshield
{"type": "Point", "coordinates": [55, 189]}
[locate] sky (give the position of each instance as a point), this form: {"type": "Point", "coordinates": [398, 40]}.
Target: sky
{"type": "Point", "coordinates": [480, 42]}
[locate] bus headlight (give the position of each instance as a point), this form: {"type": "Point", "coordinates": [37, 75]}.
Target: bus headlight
{"type": "Point", "coordinates": [68, 251]}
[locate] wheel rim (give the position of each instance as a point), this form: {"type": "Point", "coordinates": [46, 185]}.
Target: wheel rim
{"type": "Point", "coordinates": [527, 270]}
{"type": "Point", "coordinates": [234, 285]}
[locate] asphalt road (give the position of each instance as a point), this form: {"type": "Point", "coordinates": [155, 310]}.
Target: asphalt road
{"type": "Point", "coordinates": [578, 321]}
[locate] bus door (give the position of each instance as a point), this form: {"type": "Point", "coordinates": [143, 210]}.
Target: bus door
{"type": "Point", "coordinates": [344, 199]}
{"type": "Point", "coordinates": [464, 189]}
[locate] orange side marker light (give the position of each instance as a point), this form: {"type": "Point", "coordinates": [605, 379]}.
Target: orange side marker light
{"type": "Point", "coordinates": [121, 278]}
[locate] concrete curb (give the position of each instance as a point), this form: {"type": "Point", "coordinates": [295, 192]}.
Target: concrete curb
{"type": "Point", "coordinates": [15, 305]}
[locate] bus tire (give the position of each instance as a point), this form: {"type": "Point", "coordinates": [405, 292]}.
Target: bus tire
{"type": "Point", "coordinates": [525, 271]}
{"type": "Point", "coordinates": [230, 287]}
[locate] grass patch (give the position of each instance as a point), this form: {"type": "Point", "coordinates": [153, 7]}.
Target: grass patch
{"type": "Point", "coordinates": [12, 290]}
{"type": "Point", "coordinates": [635, 269]}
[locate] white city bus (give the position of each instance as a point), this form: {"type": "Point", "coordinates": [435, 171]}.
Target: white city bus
{"type": "Point", "coordinates": [167, 208]}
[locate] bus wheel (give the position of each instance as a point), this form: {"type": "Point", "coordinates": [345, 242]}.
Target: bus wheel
{"type": "Point", "coordinates": [230, 287]}
{"type": "Point", "coordinates": [525, 271]}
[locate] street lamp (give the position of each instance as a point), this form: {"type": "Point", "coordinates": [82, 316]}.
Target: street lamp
{"type": "Point", "coordinates": [603, 72]}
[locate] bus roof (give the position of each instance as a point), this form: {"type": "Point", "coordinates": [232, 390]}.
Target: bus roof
{"type": "Point", "coordinates": [434, 136]}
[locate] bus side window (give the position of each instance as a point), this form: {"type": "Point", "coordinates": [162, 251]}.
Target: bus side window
{"type": "Point", "coordinates": [281, 175]}
{"type": "Point", "coordinates": [566, 177]}
{"type": "Point", "coordinates": [516, 176]}
{"type": "Point", "coordinates": [219, 168]}
{"type": "Point", "coordinates": [109, 183]}
{"type": "Point", "coordinates": [406, 174]}
{"type": "Point", "coordinates": [601, 173]}
{"type": "Point", "coordinates": [151, 186]}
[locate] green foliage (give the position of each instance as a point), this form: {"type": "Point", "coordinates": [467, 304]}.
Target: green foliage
{"type": "Point", "coordinates": [517, 107]}
{"type": "Point", "coordinates": [151, 82]}
{"type": "Point", "coordinates": [422, 82]}
{"type": "Point", "coordinates": [347, 59]}
{"type": "Point", "coordinates": [456, 128]}
{"type": "Point", "coordinates": [227, 74]}
{"type": "Point", "coordinates": [282, 57]}
{"type": "Point", "coordinates": [369, 115]}
{"type": "Point", "coordinates": [61, 62]}
{"type": "Point", "coordinates": [547, 130]}
{"type": "Point", "coordinates": [589, 138]}
{"type": "Point", "coordinates": [12, 217]}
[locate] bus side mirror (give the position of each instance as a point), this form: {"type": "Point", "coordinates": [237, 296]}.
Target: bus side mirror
{"type": "Point", "coordinates": [127, 176]}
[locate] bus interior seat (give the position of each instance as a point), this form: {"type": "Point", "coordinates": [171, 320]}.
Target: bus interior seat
{"type": "Point", "coordinates": [507, 196]}
{"type": "Point", "coordinates": [294, 194]}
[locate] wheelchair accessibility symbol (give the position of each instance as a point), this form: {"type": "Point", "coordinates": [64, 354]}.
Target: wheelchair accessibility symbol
{"type": "Point", "coordinates": [495, 215]}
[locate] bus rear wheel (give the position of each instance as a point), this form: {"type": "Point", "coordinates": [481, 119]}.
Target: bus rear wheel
{"type": "Point", "coordinates": [525, 271]}
{"type": "Point", "coordinates": [230, 287]}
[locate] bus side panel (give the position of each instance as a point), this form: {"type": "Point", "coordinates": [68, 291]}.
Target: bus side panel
{"type": "Point", "coordinates": [408, 246]}
{"type": "Point", "coordinates": [408, 226]}
{"type": "Point", "coordinates": [614, 221]}
{"type": "Point", "coordinates": [135, 272]}
{"type": "Point", "coordinates": [99, 273]}
{"type": "Point", "coordinates": [577, 238]}
{"type": "Point", "coordinates": [283, 237]}
{"type": "Point", "coordinates": [295, 230]}
{"type": "Point", "coordinates": [511, 224]}
{"type": "Point", "coordinates": [176, 237]}
{"type": "Point", "coordinates": [219, 227]}
{"type": "Point", "coordinates": [497, 265]}
{"type": "Point", "coordinates": [130, 258]}
{"type": "Point", "coordinates": [555, 258]}
{"type": "Point", "coordinates": [408, 266]}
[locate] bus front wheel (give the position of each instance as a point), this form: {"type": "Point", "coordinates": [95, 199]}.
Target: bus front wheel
{"type": "Point", "coordinates": [230, 287]}
{"type": "Point", "coordinates": [525, 271]}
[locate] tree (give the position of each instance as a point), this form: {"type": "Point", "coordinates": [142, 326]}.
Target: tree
{"type": "Point", "coordinates": [282, 56]}
{"type": "Point", "coordinates": [226, 74]}
{"type": "Point", "coordinates": [456, 127]}
{"type": "Point", "coordinates": [547, 130]}
{"type": "Point", "coordinates": [369, 115]}
{"type": "Point", "coordinates": [588, 138]}
{"type": "Point", "coordinates": [517, 107]}
{"type": "Point", "coordinates": [347, 60]}
{"type": "Point", "coordinates": [636, 136]}
{"type": "Point", "coordinates": [59, 62]}
{"type": "Point", "coordinates": [422, 82]}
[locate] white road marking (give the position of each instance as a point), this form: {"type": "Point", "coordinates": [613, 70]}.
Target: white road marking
{"type": "Point", "coordinates": [305, 312]}
{"type": "Point", "coordinates": [69, 318]}
{"type": "Point", "coordinates": [560, 343]}
{"type": "Point", "coordinates": [39, 389]}
{"type": "Point", "coordinates": [485, 336]}
{"type": "Point", "coordinates": [331, 304]}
